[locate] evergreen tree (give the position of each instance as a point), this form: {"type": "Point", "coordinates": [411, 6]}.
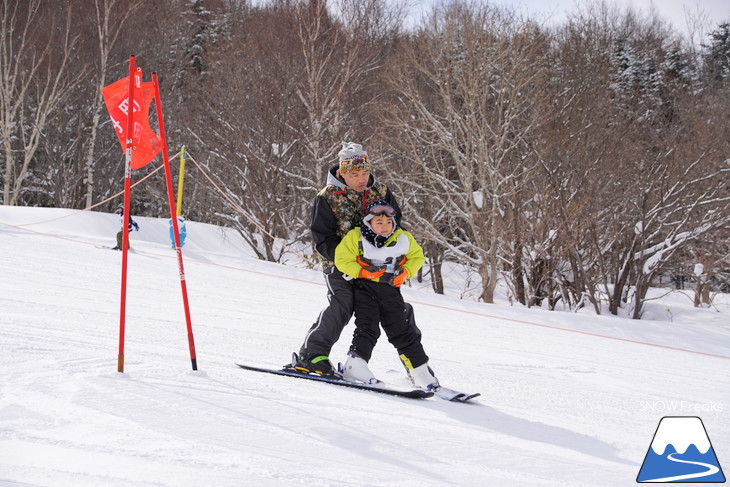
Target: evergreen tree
{"type": "Point", "coordinates": [717, 56]}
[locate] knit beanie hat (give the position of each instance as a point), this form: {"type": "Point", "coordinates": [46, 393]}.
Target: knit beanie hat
{"type": "Point", "coordinates": [352, 158]}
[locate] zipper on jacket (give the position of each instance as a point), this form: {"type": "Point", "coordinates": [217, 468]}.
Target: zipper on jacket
{"type": "Point", "coordinates": [365, 201]}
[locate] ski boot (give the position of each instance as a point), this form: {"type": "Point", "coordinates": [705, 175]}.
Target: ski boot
{"type": "Point", "coordinates": [356, 370]}
{"type": "Point", "coordinates": [313, 364]}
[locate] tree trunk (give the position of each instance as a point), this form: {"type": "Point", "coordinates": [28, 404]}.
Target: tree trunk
{"type": "Point", "coordinates": [614, 299]}
{"type": "Point", "coordinates": [437, 278]}
{"type": "Point", "coordinates": [92, 142]}
{"type": "Point", "coordinates": [642, 286]}
{"type": "Point", "coordinates": [518, 275]}
{"type": "Point", "coordinates": [488, 271]}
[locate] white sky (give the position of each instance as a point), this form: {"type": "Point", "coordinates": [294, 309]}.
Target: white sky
{"type": "Point", "coordinates": [713, 11]}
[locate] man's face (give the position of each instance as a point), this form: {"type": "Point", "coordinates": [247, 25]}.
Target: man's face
{"type": "Point", "coordinates": [357, 179]}
{"type": "Point", "coordinates": [382, 225]}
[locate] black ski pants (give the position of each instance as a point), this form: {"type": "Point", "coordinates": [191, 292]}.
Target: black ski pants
{"type": "Point", "coordinates": [382, 304]}
{"type": "Point", "coordinates": [325, 332]}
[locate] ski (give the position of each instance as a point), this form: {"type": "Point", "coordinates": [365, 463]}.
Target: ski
{"type": "Point", "coordinates": [414, 394]}
{"type": "Point", "coordinates": [107, 247]}
{"type": "Point", "coordinates": [454, 396]}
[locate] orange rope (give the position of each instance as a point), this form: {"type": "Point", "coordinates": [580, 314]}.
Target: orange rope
{"type": "Point", "coordinates": [447, 308]}
{"type": "Point", "coordinates": [249, 218]}
{"type": "Point", "coordinates": [552, 327]}
{"type": "Point", "coordinates": [240, 210]}
{"type": "Point", "coordinates": [98, 204]}
{"type": "Point", "coordinates": [233, 203]}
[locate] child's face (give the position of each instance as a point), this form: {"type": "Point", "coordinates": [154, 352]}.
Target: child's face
{"type": "Point", "coordinates": [382, 224]}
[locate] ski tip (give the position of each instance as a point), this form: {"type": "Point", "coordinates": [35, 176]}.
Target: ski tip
{"type": "Point", "coordinates": [454, 396]}
{"type": "Point", "coordinates": [466, 397]}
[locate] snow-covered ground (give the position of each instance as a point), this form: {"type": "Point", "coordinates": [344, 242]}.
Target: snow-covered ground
{"type": "Point", "coordinates": [569, 399]}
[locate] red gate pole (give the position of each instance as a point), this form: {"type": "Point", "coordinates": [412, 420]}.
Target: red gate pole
{"type": "Point", "coordinates": [173, 216]}
{"type": "Point", "coordinates": [126, 214]}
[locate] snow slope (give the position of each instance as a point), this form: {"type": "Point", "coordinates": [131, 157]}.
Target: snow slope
{"type": "Point", "coordinates": [567, 399]}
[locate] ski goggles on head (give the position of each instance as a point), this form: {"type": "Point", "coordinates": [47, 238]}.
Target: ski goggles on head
{"type": "Point", "coordinates": [382, 210]}
{"type": "Point", "coordinates": [354, 163]}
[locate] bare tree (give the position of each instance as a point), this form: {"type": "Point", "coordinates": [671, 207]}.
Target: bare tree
{"type": "Point", "coordinates": [111, 15]}
{"type": "Point", "coordinates": [655, 193]}
{"type": "Point", "coordinates": [338, 64]}
{"type": "Point", "coordinates": [570, 211]}
{"type": "Point", "coordinates": [297, 94]}
{"type": "Point", "coordinates": [463, 111]}
{"type": "Point", "coordinates": [36, 75]}
{"type": "Point", "coordinates": [711, 258]}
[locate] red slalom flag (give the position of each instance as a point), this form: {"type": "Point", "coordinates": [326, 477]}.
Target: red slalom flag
{"type": "Point", "coordinates": [146, 143]}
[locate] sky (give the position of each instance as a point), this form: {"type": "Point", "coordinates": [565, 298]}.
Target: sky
{"type": "Point", "coordinates": [556, 10]}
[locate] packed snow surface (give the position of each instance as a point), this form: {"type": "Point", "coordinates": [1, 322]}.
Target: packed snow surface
{"type": "Point", "coordinates": [568, 399]}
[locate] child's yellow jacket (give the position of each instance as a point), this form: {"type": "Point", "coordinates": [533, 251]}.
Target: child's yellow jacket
{"type": "Point", "coordinates": [350, 248]}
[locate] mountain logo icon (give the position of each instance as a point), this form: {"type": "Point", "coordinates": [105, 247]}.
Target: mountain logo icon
{"type": "Point", "coordinates": [681, 452]}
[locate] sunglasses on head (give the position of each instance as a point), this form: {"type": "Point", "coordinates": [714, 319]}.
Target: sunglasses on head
{"type": "Point", "coordinates": [382, 210]}
{"type": "Point", "coordinates": [356, 161]}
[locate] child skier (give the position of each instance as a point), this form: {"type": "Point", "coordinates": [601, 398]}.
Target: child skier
{"type": "Point", "coordinates": [132, 225]}
{"type": "Point", "coordinates": [380, 257]}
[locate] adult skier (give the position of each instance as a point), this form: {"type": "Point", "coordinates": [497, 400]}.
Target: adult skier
{"type": "Point", "coordinates": [338, 208]}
